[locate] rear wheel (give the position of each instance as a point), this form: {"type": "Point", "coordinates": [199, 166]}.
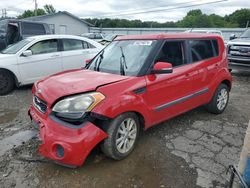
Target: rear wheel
{"type": "Point", "coordinates": [220, 100]}
{"type": "Point", "coordinates": [123, 132]}
{"type": "Point", "coordinates": [7, 82]}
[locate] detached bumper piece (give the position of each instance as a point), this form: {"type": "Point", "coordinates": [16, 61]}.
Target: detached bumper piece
{"type": "Point", "coordinates": [68, 146]}
{"type": "Point", "coordinates": [235, 172]}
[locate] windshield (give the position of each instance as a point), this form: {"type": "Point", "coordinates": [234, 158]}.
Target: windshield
{"type": "Point", "coordinates": [246, 34]}
{"type": "Point", "coordinates": [123, 57]}
{"type": "Point", "coordinates": [3, 26]}
{"type": "Point", "coordinates": [13, 49]}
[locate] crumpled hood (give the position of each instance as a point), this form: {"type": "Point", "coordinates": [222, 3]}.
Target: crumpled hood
{"type": "Point", "coordinates": [73, 82]}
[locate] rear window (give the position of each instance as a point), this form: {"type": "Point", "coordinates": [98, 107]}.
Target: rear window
{"type": "Point", "coordinates": [201, 49]}
{"type": "Point", "coordinates": [33, 29]}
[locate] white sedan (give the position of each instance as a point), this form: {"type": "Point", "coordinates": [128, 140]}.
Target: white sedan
{"type": "Point", "coordinates": [37, 57]}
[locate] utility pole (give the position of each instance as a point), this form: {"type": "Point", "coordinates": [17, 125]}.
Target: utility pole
{"type": "Point", "coordinates": [35, 7]}
{"type": "Point", "coordinates": [4, 13]}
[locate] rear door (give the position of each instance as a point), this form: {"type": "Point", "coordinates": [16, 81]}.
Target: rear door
{"type": "Point", "coordinates": [76, 52]}
{"type": "Point", "coordinates": [204, 59]}
{"type": "Point", "coordinates": [170, 94]}
{"type": "Point", "coordinates": [46, 60]}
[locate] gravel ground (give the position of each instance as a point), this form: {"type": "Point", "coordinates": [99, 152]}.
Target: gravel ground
{"type": "Point", "coordinates": [191, 150]}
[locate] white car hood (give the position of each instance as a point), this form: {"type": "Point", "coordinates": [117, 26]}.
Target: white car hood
{"type": "Point", "coordinates": [239, 41]}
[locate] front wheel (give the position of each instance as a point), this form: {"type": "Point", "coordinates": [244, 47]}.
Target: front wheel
{"type": "Point", "coordinates": [123, 132]}
{"type": "Point", "coordinates": [220, 100]}
{"type": "Point", "coordinates": [7, 82]}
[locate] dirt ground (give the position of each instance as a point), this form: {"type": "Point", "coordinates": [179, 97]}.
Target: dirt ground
{"type": "Point", "coordinates": [192, 150]}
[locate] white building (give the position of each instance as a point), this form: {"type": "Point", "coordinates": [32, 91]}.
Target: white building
{"type": "Point", "coordinates": [63, 22]}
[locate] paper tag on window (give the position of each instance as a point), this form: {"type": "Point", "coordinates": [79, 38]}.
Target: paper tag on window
{"type": "Point", "coordinates": [143, 43]}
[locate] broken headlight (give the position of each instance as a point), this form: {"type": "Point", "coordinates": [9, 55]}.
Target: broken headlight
{"type": "Point", "coordinates": [74, 107]}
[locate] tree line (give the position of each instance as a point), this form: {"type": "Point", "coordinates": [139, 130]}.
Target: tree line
{"type": "Point", "coordinates": [193, 19]}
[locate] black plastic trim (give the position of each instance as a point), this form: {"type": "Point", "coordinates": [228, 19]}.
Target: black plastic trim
{"type": "Point", "coordinates": [66, 124]}
{"type": "Point", "coordinates": [177, 101]}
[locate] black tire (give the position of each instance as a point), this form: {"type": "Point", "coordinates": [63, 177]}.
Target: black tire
{"type": "Point", "coordinates": [7, 82]}
{"type": "Point", "coordinates": [212, 106]}
{"type": "Point", "coordinates": [109, 145]}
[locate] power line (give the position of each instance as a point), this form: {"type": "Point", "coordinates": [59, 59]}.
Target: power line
{"type": "Point", "coordinates": [163, 9]}
{"type": "Point", "coordinates": [150, 8]}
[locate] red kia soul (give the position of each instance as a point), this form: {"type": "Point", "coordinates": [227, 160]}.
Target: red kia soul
{"type": "Point", "coordinates": [135, 82]}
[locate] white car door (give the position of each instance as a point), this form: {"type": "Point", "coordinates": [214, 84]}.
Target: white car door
{"type": "Point", "coordinates": [45, 60]}
{"type": "Point", "coordinates": [76, 52]}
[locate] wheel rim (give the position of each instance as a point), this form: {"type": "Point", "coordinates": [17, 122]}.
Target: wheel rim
{"type": "Point", "coordinates": [126, 135]}
{"type": "Point", "coordinates": [3, 82]}
{"type": "Point", "coordinates": [222, 99]}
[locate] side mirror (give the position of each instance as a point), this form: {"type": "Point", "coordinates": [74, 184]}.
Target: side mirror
{"type": "Point", "coordinates": [27, 53]}
{"type": "Point", "coordinates": [232, 36]}
{"type": "Point", "coordinates": [162, 68]}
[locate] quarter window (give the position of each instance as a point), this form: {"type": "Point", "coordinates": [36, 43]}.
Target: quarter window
{"type": "Point", "coordinates": [216, 47]}
{"type": "Point", "coordinates": [172, 52]}
{"type": "Point", "coordinates": [201, 49]}
{"type": "Point", "coordinates": [46, 46]}
{"type": "Point", "coordinates": [72, 44]}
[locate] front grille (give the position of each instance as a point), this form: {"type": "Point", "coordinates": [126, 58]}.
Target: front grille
{"type": "Point", "coordinates": [239, 51]}
{"type": "Point", "coordinates": [40, 104]}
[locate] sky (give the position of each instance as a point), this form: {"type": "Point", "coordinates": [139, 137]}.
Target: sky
{"type": "Point", "coordinates": [162, 10]}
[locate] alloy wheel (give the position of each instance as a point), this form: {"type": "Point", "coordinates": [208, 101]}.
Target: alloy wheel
{"type": "Point", "coordinates": [126, 135]}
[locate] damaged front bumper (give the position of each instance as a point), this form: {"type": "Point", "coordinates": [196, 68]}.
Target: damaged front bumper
{"type": "Point", "coordinates": [65, 144]}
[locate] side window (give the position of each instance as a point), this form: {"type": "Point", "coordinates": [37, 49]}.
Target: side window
{"type": "Point", "coordinates": [172, 52]}
{"type": "Point", "coordinates": [201, 49]}
{"type": "Point", "coordinates": [72, 44]}
{"type": "Point", "coordinates": [46, 46]}
{"type": "Point", "coordinates": [33, 29]}
{"type": "Point", "coordinates": [87, 45]}
{"type": "Point", "coordinates": [91, 45]}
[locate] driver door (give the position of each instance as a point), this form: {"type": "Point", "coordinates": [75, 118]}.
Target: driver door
{"type": "Point", "coordinates": [45, 60]}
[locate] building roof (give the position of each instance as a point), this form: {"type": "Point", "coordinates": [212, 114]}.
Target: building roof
{"type": "Point", "coordinates": [40, 18]}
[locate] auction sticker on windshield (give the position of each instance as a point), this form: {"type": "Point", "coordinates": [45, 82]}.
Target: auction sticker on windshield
{"type": "Point", "coordinates": [143, 43]}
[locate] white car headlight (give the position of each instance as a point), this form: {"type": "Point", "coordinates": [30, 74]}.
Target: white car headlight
{"type": "Point", "coordinates": [74, 107]}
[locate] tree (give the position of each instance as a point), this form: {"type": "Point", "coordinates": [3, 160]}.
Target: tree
{"type": "Point", "coordinates": [49, 9]}
{"type": "Point", "coordinates": [240, 17]}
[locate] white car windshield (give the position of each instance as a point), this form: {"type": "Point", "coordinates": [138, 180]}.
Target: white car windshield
{"type": "Point", "coordinates": [123, 57]}
{"type": "Point", "coordinates": [13, 49]}
{"type": "Point", "coordinates": [246, 34]}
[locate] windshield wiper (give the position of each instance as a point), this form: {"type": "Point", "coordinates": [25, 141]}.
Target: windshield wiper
{"type": "Point", "coordinates": [98, 61]}
{"type": "Point", "coordinates": [123, 64]}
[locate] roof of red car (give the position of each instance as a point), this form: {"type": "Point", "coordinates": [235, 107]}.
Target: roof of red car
{"type": "Point", "coordinates": [167, 36]}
